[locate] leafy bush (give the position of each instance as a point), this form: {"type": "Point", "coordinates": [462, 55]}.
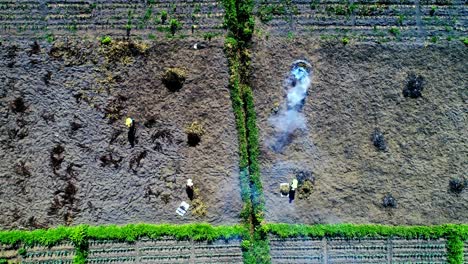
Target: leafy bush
{"type": "Point", "coordinates": [209, 35]}
{"type": "Point", "coordinates": [106, 40]}
{"type": "Point", "coordinates": [174, 25]}
{"type": "Point", "coordinates": [345, 40]}
{"type": "Point", "coordinates": [394, 31]}
{"type": "Point", "coordinates": [163, 16]}
{"type": "Point", "coordinates": [3, 261]}
{"type": "Point", "coordinates": [465, 41]}
{"type": "Point", "coordinates": [174, 78]}
{"type": "Point", "coordinates": [22, 252]}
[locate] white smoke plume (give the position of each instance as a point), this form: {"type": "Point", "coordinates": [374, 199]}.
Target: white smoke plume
{"type": "Point", "coordinates": [290, 117]}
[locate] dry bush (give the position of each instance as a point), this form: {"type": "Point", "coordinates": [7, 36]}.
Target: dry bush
{"type": "Point", "coordinates": [305, 190]}
{"type": "Point", "coordinates": [199, 208]}
{"type": "Point", "coordinates": [174, 78]}
{"type": "Point", "coordinates": [194, 133]}
{"type": "Point", "coordinates": [124, 51]}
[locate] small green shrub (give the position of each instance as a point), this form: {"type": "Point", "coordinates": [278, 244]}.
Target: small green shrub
{"type": "Point", "coordinates": [49, 37]}
{"type": "Point", "coordinates": [163, 16]}
{"type": "Point", "coordinates": [3, 261]}
{"type": "Point", "coordinates": [465, 41]}
{"type": "Point", "coordinates": [209, 35]}
{"type": "Point", "coordinates": [174, 26]}
{"type": "Point", "coordinates": [106, 40]}
{"type": "Point", "coordinates": [22, 252]}
{"type": "Point", "coordinates": [394, 31]}
{"type": "Point", "coordinates": [434, 39]}
{"type": "Point", "coordinates": [400, 20]}
{"type": "Point", "coordinates": [433, 10]}
{"type": "Point", "coordinates": [345, 40]}
{"type": "Point", "coordinates": [246, 244]}
{"type": "Point", "coordinates": [151, 36]}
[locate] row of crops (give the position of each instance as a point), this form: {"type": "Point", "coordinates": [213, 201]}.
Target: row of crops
{"type": "Point", "coordinates": [25, 17]}
{"type": "Point", "coordinates": [165, 251]}
{"type": "Point", "coordinates": [60, 253]}
{"type": "Point", "coordinates": [369, 19]}
{"type": "Point", "coordinates": [331, 250]}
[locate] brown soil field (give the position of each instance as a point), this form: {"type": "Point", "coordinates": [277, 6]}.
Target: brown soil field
{"type": "Point", "coordinates": [355, 89]}
{"type": "Point", "coordinates": [64, 153]}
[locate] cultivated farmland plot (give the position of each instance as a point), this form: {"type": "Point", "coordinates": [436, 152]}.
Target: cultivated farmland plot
{"type": "Point", "coordinates": [165, 251]}
{"type": "Point", "coordinates": [59, 17]}
{"type": "Point", "coordinates": [307, 250]}
{"type": "Point", "coordinates": [366, 19]}
{"type": "Point", "coordinates": [61, 253]}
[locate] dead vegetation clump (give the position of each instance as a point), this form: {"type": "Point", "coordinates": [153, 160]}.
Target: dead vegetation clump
{"type": "Point", "coordinates": [18, 105]}
{"type": "Point", "coordinates": [123, 51]}
{"type": "Point", "coordinates": [21, 168]}
{"type": "Point", "coordinates": [199, 208]}
{"type": "Point", "coordinates": [110, 159]}
{"type": "Point", "coordinates": [174, 79]}
{"type": "Point", "coordinates": [114, 107]}
{"type": "Point", "coordinates": [305, 189]}
{"type": "Point", "coordinates": [35, 48]}
{"type": "Point", "coordinates": [194, 133]}
{"type": "Point", "coordinates": [73, 53]}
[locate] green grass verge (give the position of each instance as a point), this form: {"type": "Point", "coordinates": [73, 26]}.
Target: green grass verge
{"type": "Point", "coordinates": [80, 234]}
{"type": "Point", "coordinates": [455, 234]}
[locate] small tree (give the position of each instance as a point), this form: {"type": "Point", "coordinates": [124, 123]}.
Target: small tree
{"type": "Point", "coordinates": [163, 16]}
{"type": "Point", "coordinates": [175, 25]}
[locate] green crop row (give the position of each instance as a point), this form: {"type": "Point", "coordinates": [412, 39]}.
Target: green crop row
{"type": "Point", "coordinates": [80, 234]}
{"type": "Point", "coordinates": [455, 234]}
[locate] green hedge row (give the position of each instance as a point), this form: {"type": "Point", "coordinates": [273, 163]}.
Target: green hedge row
{"type": "Point", "coordinates": [455, 234]}
{"type": "Point", "coordinates": [258, 200]}
{"type": "Point", "coordinates": [129, 233]}
{"type": "Point", "coordinates": [240, 23]}
{"type": "Point", "coordinates": [80, 234]}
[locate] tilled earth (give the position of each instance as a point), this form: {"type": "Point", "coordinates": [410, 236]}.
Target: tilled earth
{"type": "Point", "coordinates": [64, 153]}
{"type": "Point", "coordinates": [356, 89]}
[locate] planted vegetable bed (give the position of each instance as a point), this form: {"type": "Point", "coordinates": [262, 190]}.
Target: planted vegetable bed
{"type": "Point", "coordinates": [379, 20]}
{"type": "Point", "coordinates": [165, 250]}
{"type": "Point", "coordinates": [333, 250]}
{"type": "Point", "coordinates": [112, 16]}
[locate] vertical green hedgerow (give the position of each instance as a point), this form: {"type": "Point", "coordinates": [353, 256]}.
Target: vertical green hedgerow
{"type": "Point", "coordinates": [79, 236]}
